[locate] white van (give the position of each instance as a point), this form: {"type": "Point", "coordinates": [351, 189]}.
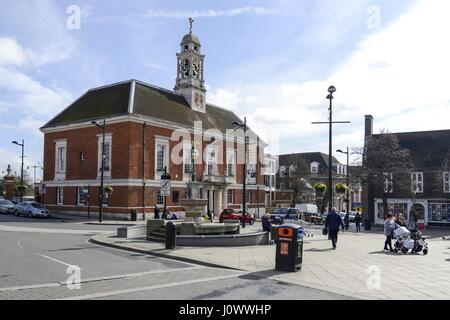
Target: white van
{"type": "Point", "coordinates": [308, 208]}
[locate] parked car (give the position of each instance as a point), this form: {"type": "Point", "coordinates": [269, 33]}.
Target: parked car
{"type": "Point", "coordinates": [310, 213]}
{"type": "Point", "coordinates": [31, 210]}
{"type": "Point", "coordinates": [313, 218]}
{"type": "Point", "coordinates": [280, 215]}
{"type": "Point", "coordinates": [352, 216]}
{"type": "Point", "coordinates": [231, 214]}
{"type": "Point", "coordinates": [6, 206]}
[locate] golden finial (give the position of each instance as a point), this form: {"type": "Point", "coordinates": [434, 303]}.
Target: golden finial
{"type": "Point", "coordinates": [190, 23]}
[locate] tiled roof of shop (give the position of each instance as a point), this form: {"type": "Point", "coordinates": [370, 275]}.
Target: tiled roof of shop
{"type": "Point", "coordinates": [428, 149]}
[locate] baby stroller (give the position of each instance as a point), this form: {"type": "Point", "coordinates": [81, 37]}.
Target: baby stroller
{"type": "Point", "coordinates": [406, 240]}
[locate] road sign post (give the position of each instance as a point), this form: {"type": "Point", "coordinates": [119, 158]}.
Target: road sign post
{"type": "Point", "coordinates": [165, 187]}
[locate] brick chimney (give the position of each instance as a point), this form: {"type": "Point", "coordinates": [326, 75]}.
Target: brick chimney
{"type": "Point", "coordinates": [368, 125]}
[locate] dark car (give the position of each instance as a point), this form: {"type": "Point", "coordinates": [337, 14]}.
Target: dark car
{"type": "Point", "coordinates": [280, 215]}
{"type": "Point", "coordinates": [231, 214]}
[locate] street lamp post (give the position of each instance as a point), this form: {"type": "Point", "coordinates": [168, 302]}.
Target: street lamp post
{"type": "Point", "coordinates": [244, 198]}
{"type": "Point", "coordinates": [21, 170]}
{"type": "Point", "coordinates": [102, 169]}
{"type": "Point", "coordinates": [330, 122]}
{"type": "Point", "coordinates": [348, 177]}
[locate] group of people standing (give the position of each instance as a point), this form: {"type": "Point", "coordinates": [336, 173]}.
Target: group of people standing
{"type": "Point", "coordinates": [393, 222]}
{"type": "Point", "coordinates": [165, 214]}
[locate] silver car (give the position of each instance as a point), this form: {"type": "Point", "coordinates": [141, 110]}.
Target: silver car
{"type": "Point", "coordinates": [31, 210]}
{"type": "Point", "coordinates": [6, 206]}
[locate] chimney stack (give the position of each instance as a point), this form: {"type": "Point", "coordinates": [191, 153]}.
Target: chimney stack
{"type": "Point", "coordinates": [368, 125]}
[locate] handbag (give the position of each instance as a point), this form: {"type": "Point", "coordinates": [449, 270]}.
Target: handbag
{"type": "Point", "coordinates": [325, 231]}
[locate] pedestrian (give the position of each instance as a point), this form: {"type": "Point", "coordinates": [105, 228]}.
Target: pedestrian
{"type": "Point", "coordinates": [174, 217]}
{"type": "Point", "coordinates": [347, 220]}
{"type": "Point", "coordinates": [389, 226]}
{"type": "Point", "coordinates": [333, 222]}
{"type": "Point", "coordinates": [210, 215]}
{"type": "Point", "coordinates": [157, 211]}
{"type": "Point", "coordinates": [358, 220]}
{"type": "Point", "coordinates": [400, 220]}
{"type": "Point", "coordinates": [165, 215]}
{"type": "Point", "coordinates": [266, 225]}
{"type": "Point", "coordinates": [412, 220]}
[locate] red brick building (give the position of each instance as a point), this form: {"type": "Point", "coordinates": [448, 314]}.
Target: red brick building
{"type": "Point", "coordinates": [143, 128]}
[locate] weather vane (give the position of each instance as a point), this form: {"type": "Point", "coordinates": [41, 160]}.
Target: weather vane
{"type": "Point", "coordinates": [190, 23]}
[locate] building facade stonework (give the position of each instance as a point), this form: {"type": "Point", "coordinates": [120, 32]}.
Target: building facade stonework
{"type": "Point", "coordinates": [147, 130]}
{"type": "Point", "coordinates": [427, 181]}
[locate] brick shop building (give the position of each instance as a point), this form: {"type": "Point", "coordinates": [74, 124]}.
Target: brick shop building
{"type": "Point", "coordinates": [147, 129]}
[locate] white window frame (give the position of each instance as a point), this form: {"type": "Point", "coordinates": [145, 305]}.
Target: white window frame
{"type": "Point", "coordinates": [314, 167]}
{"type": "Point", "coordinates": [159, 197]}
{"type": "Point", "coordinates": [162, 142]}
{"type": "Point", "coordinates": [208, 158]}
{"type": "Point", "coordinates": [108, 140]}
{"type": "Point", "coordinates": [60, 196]}
{"type": "Point", "coordinates": [415, 181]}
{"type": "Point", "coordinates": [60, 174]}
{"type": "Point", "coordinates": [388, 179]}
{"type": "Point", "coordinates": [231, 154]}
{"type": "Point", "coordinates": [78, 196]}
{"type": "Point", "coordinates": [187, 149]}
{"type": "Point", "coordinates": [230, 191]}
{"type": "Point", "coordinates": [446, 181]}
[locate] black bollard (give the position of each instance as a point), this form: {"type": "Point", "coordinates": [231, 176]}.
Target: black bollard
{"type": "Point", "coordinates": [171, 232]}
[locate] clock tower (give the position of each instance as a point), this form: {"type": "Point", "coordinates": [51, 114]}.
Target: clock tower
{"type": "Point", "coordinates": [190, 81]}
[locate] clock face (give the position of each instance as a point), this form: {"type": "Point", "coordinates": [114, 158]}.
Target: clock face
{"type": "Point", "coordinates": [185, 67]}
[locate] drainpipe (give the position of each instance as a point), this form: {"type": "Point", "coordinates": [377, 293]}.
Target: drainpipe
{"type": "Point", "coordinates": [144, 142]}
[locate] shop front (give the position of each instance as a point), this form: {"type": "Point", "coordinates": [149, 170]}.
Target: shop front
{"type": "Point", "coordinates": [439, 212]}
{"type": "Point", "coordinates": [403, 207]}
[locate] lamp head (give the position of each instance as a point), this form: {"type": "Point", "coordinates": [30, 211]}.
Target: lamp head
{"type": "Point", "coordinates": [331, 89]}
{"type": "Point", "coordinates": [236, 123]}
{"type": "Point", "coordinates": [340, 151]}
{"type": "Point", "coordinates": [94, 122]}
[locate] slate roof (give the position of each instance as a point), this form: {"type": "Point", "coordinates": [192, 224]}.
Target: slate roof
{"type": "Point", "coordinates": [428, 149]}
{"type": "Point", "coordinates": [308, 157]}
{"type": "Point", "coordinates": [113, 100]}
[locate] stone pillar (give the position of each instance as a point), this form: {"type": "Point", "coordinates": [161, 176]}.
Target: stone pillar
{"type": "Point", "coordinates": [10, 184]}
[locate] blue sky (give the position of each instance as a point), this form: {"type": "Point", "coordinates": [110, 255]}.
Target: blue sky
{"type": "Point", "coordinates": [271, 61]}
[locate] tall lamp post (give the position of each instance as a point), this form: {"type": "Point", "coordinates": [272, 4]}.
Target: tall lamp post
{"type": "Point", "coordinates": [244, 170]}
{"type": "Point", "coordinates": [102, 169]}
{"type": "Point", "coordinates": [330, 122]}
{"type": "Point", "coordinates": [348, 177]}
{"type": "Point", "coordinates": [21, 170]}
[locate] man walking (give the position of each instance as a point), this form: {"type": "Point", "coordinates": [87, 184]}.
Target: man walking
{"type": "Point", "coordinates": [333, 222]}
{"type": "Point", "coordinates": [358, 220]}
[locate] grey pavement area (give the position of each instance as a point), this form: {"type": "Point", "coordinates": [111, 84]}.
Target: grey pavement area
{"type": "Point", "coordinates": [37, 255]}
{"type": "Point", "coordinates": [358, 268]}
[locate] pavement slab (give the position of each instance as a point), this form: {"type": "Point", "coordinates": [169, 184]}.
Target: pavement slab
{"type": "Point", "coordinates": [352, 268]}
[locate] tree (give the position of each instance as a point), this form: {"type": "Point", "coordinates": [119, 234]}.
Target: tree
{"type": "Point", "coordinates": [388, 166]}
{"type": "Point", "coordinates": [28, 188]}
{"type": "Point", "coordinates": [296, 175]}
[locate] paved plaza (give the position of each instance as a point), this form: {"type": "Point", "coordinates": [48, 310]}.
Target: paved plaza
{"type": "Point", "coordinates": [358, 268]}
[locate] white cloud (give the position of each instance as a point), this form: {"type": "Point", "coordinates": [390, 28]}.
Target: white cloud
{"type": "Point", "coordinates": [21, 92]}
{"type": "Point", "coordinates": [11, 52]}
{"type": "Point", "coordinates": [212, 13]}
{"type": "Point", "coordinates": [399, 74]}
